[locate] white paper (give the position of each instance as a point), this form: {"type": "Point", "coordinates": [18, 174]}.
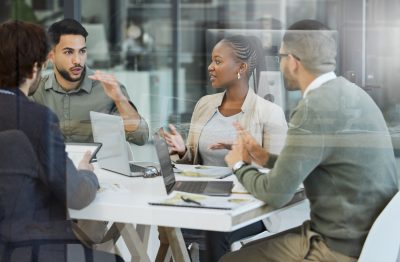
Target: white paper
{"type": "Point", "coordinates": [176, 198]}
{"type": "Point", "coordinates": [202, 171]}
{"type": "Point", "coordinates": [112, 187]}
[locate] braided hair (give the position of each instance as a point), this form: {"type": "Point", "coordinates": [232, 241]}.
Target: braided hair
{"type": "Point", "coordinates": [248, 49]}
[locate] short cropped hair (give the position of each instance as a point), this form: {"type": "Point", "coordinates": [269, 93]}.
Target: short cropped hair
{"type": "Point", "coordinates": [314, 44]}
{"type": "Point", "coordinates": [22, 45]}
{"type": "Point", "coordinates": [66, 26]}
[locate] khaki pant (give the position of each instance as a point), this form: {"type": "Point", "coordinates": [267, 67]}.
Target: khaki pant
{"type": "Point", "coordinates": [298, 244]}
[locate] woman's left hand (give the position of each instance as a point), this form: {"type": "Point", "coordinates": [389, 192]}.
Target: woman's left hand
{"type": "Point", "coordinates": [221, 145]}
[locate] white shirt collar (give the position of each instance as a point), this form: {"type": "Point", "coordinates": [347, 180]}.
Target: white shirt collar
{"type": "Point", "coordinates": [319, 81]}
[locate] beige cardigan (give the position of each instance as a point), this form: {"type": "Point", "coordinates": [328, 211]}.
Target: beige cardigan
{"type": "Point", "coordinates": [264, 120]}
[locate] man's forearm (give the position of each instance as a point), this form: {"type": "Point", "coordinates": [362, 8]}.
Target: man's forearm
{"type": "Point", "coordinates": [141, 135]}
{"type": "Point", "coordinates": [82, 186]}
{"type": "Point", "coordinates": [260, 186]}
{"type": "Point", "coordinates": [129, 115]}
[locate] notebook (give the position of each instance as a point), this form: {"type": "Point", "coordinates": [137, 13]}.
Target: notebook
{"type": "Point", "coordinates": [115, 154]}
{"type": "Point", "coordinates": [211, 188]}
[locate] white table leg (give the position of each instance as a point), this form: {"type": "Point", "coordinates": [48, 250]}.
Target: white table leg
{"type": "Point", "coordinates": [144, 233]}
{"type": "Point", "coordinates": [134, 242]}
{"type": "Point", "coordinates": [172, 237]}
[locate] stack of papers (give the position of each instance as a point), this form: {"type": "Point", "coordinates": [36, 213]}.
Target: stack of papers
{"type": "Point", "coordinates": [203, 171]}
{"type": "Point", "coordinates": [183, 199]}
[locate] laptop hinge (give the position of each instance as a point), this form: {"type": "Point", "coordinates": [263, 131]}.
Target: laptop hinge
{"type": "Point", "coordinates": [170, 187]}
{"type": "Point", "coordinates": [129, 150]}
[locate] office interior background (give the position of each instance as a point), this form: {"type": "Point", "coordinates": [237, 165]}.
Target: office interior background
{"type": "Point", "coordinates": [160, 49]}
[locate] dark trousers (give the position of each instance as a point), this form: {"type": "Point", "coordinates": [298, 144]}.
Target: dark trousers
{"type": "Point", "coordinates": [215, 244]}
{"type": "Point", "coordinates": [52, 250]}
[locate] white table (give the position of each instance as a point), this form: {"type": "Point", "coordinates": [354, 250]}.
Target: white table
{"type": "Point", "coordinates": [129, 205]}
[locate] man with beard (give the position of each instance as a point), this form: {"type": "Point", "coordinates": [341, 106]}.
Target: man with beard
{"type": "Point", "coordinates": [337, 145]}
{"type": "Point", "coordinates": [34, 224]}
{"type": "Point", "coordinates": [73, 90]}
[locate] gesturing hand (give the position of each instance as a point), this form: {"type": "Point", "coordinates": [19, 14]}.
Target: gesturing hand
{"type": "Point", "coordinates": [221, 145]}
{"type": "Point", "coordinates": [255, 150]}
{"type": "Point", "coordinates": [174, 141]}
{"type": "Point", "coordinates": [110, 85]}
{"type": "Point", "coordinates": [238, 153]}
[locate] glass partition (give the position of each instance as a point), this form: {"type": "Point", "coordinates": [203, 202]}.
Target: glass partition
{"type": "Point", "coordinates": [36, 11]}
{"type": "Point", "coordinates": [160, 48]}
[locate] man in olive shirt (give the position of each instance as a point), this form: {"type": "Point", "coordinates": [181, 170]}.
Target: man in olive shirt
{"type": "Point", "coordinates": [74, 90]}
{"type": "Point", "coordinates": [337, 145]}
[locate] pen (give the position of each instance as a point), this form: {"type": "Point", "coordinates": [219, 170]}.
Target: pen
{"type": "Point", "coordinates": [226, 175]}
{"type": "Point", "coordinates": [188, 200]}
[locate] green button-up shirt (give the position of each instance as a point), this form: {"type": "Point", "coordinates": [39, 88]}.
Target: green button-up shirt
{"type": "Point", "coordinates": [73, 107]}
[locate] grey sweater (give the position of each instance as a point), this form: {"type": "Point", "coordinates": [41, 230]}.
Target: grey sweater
{"type": "Point", "coordinates": [338, 145]}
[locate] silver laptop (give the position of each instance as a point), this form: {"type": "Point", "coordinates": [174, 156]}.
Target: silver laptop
{"type": "Point", "coordinates": [212, 188]}
{"type": "Point", "coordinates": [115, 154]}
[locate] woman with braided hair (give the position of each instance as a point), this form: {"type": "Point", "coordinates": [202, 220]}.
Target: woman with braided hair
{"type": "Point", "coordinates": [234, 60]}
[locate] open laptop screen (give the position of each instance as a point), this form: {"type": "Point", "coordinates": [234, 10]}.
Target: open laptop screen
{"type": "Point", "coordinates": [109, 130]}
{"type": "Point", "coordinates": [167, 170]}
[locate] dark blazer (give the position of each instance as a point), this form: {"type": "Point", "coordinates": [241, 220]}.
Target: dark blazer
{"type": "Point", "coordinates": [58, 184]}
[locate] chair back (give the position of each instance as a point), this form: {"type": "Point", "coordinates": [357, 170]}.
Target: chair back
{"type": "Point", "coordinates": [27, 220]}
{"type": "Point", "coordinates": [18, 174]}
{"type": "Point", "coordinates": [383, 240]}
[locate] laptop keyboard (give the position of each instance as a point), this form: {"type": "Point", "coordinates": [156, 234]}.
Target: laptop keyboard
{"type": "Point", "coordinates": [192, 187]}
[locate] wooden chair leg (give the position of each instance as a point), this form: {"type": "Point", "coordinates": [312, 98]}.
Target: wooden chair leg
{"type": "Point", "coordinates": [164, 245]}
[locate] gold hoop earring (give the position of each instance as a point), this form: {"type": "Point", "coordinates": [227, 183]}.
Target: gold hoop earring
{"type": "Point", "coordinates": [238, 75]}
